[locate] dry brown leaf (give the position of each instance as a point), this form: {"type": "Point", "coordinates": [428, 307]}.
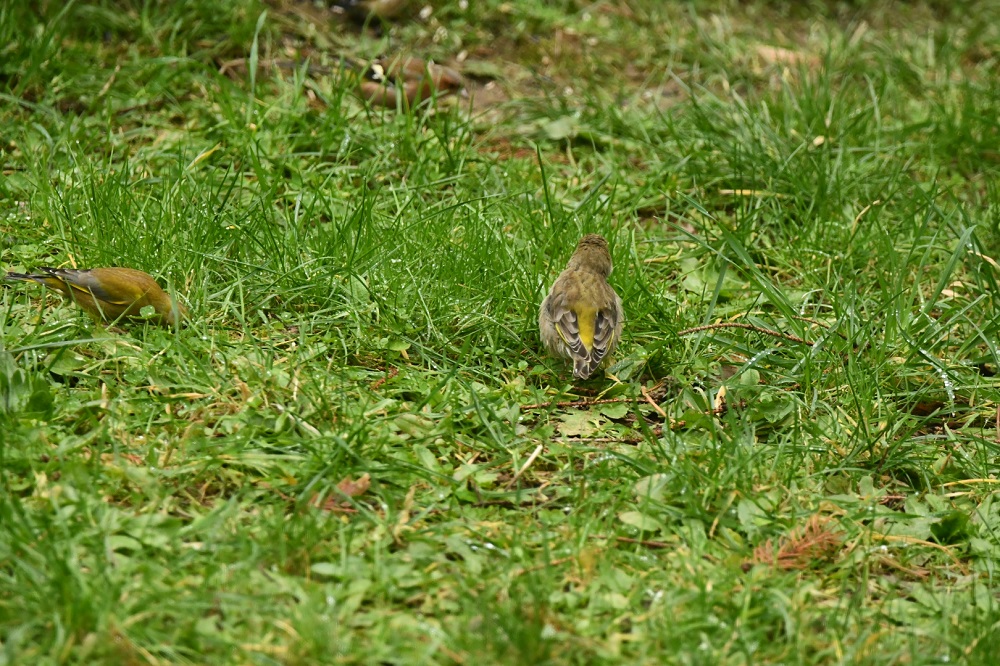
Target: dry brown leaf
{"type": "Point", "coordinates": [348, 487]}
{"type": "Point", "coordinates": [356, 487]}
{"type": "Point", "coordinates": [802, 547]}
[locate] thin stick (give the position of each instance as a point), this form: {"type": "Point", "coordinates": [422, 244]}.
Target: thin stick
{"type": "Point", "coordinates": [554, 563]}
{"type": "Point", "coordinates": [968, 482]}
{"type": "Point", "coordinates": [812, 321]}
{"type": "Point", "coordinates": [862, 213]}
{"type": "Point", "coordinates": [649, 399]}
{"type": "Point", "coordinates": [641, 542]}
{"type": "Point", "coordinates": [526, 465]}
{"type": "Point", "coordinates": [577, 403]}
{"type": "Point", "coordinates": [746, 327]}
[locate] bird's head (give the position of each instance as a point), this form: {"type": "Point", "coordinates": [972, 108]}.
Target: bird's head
{"type": "Point", "coordinates": [592, 254]}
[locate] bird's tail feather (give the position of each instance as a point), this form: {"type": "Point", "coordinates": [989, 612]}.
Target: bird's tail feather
{"type": "Point", "coordinates": [25, 276]}
{"type": "Point", "coordinates": [583, 368]}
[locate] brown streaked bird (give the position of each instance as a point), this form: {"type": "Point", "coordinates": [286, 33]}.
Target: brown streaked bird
{"type": "Point", "coordinates": [581, 319]}
{"type": "Point", "coordinates": [362, 10]}
{"type": "Point", "coordinates": [110, 294]}
{"type": "Point", "coordinates": [407, 81]}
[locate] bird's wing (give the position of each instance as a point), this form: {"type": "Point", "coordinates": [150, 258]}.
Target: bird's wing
{"type": "Point", "coordinates": [87, 282]}
{"type": "Point", "coordinates": [567, 325]}
{"type": "Point", "coordinates": [605, 331]}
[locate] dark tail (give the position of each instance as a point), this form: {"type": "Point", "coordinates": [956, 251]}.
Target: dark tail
{"type": "Point", "coordinates": [25, 277]}
{"type": "Point", "coordinates": [50, 277]}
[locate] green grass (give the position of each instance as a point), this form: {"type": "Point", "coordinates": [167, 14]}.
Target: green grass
{"type": "Point", "coordinates": [364, 286]}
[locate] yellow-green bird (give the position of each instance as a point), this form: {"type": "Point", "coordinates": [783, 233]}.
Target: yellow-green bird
{"type": "Point", "coordinates": [581, 319]}
{"type": "Point", "coordinates": [110, 294]}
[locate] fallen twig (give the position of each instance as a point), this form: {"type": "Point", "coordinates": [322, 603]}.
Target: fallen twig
{"type": "Point", "coordinates": [746, 327]}
{"type": "Point", "coordinates": [526, 465]}
{"type": "Point", "coordinates": [543, 565]}
{"type": "Point", "coordinates": [644, 542]}
{"type": "Point", "coordinates": [649, 399]}
{"type": "Point", "coordinates": [577, 403]}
